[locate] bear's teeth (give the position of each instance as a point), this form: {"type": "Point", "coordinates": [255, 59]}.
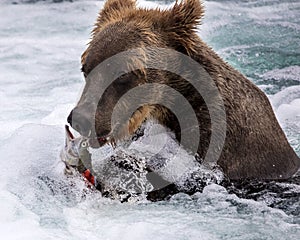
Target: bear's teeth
{"type": "Point", "coordinates": [111, 141]}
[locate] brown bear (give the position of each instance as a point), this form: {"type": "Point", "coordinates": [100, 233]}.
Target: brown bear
{"type": "Point", "coordinates": [254, 144]}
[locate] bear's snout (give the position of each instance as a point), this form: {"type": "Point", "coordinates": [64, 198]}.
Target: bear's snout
{"type": "Point", "coordinates": [80, 122]}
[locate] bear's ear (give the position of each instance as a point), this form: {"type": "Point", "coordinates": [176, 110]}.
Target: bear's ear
{"type": "Point", "coordinates": [185, 16]}
{"type": "Point", "coordinates": [113, 10]}
{"type": "Point", "coordinates": [181, 22]}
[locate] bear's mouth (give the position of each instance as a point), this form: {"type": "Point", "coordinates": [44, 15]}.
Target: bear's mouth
{"type": "Point", "coordinates": [117, 134]}
{"type": "Point", "coordinates": [122, 131]}
{"type": "Point", "coordinates": [97, 142]}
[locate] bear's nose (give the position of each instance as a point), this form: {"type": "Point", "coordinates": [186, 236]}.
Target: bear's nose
{"type": "Point", "coordinates": [80, 122]}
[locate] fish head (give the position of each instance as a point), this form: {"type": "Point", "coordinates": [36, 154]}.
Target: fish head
{"type": "Point", "coordinates": [70, 153]}
{"type": "Point", "coordinates": [75, 153]}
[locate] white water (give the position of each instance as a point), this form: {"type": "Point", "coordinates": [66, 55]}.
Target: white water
{"type": "Point", "coordinates": [40, 81]}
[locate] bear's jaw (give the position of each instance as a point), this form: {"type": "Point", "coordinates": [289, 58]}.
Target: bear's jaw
{"type": "Point", "coordinates": [124, 131]}
{"type": "Point", "coordinates": [121, 132]}
{"type": "Point", "coordinates": [98, 142]}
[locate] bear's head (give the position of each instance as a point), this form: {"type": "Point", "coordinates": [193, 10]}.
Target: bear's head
{"type": "Point", "coordinates": [126, 44]}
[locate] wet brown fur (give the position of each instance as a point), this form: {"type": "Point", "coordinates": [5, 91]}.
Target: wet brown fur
{"type": "Point", "coordinates": [255, 145]}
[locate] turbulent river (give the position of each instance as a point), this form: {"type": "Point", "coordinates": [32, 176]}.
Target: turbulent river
{"type": "Point", "coordinates": [40, 45]}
